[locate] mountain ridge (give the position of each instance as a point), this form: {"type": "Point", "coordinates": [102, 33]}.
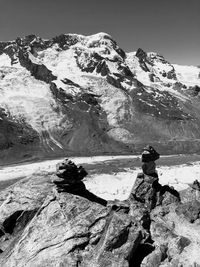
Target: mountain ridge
{"type": "Point", "coordinates": [79, 94]}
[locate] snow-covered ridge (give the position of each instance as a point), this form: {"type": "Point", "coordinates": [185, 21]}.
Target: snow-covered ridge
{"type": "Point", "coordinates": [83, 48]}
{"type": "Point", "coordinates": [188, 75]}
{"type": "Point", "coordinates": [74, 87]}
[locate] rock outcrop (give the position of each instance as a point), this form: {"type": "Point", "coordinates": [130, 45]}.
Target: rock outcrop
{"type": "Point", "coordinates": [42, 227]}
{"type": "Point", "coordinates": [67, 229]}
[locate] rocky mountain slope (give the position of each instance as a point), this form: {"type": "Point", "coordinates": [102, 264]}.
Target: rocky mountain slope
{"type": "Point", "coordinates": [80, 94]}
{"type": "Point", "coordinates": [42, 227]}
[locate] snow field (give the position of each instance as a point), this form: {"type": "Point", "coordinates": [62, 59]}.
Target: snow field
{"type": "Point", "coordinates": [110, 186]}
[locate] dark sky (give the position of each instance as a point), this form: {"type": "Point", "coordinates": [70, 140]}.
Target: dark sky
{"type": "Point", "coordinates": [170, 27]}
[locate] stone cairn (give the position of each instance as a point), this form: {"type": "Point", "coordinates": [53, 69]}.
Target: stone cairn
{"type": "Point", "coordinates": [69, 177]}
{"type": "Point", "coordinates": [149, 156]}
{"type": "Point", "coordinates": [147, 188]}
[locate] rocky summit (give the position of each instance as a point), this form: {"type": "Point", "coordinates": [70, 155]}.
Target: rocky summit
{"type": "Point", "coordinates": [42, 226]}
{"type": "Point", "coordinates": [85, 95]}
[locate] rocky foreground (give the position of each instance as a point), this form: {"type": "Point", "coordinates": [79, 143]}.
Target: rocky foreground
{"type": "Point", "coordinates": [42, 225]}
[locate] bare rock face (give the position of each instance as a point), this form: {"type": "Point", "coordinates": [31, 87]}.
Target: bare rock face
{"type": "Point", "coordinates": [42, 227]}
{"type": "Point", "coordinates": [147, 190]}
{"type": "Point", "coordinates": [174, 234]}
{"type": "Point", "coordinates": [142, 55]}
{"type": "Point", "coordinates": [18, 205]}
{"type": "Point", "coordinates": [71, 230]}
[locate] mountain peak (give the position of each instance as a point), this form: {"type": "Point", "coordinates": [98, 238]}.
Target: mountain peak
{"type": "Point", "coordinates": [61, 91]}
{"type": "Point", "coordinates": [100, 35]}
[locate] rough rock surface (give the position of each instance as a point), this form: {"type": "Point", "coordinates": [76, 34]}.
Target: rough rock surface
{"type": "Point", "coordinates": [70, 230]}
{"type": "Point", "coordinates": [41, 227]}
{"type": "Point", "coordinates": [147, 190]}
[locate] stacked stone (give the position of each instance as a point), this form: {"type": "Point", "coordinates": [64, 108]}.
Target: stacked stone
{"type": "Point", "coordinates": [69, 177]}
{"type": "Point", "coordinates": [146, 185]}
{"type": "Point", "coordinates": [149, 156]}
{"type": "Point", "coordinates": [147, 188]}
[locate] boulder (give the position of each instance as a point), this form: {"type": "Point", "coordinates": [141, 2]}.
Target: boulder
{"type": "Point", "coordinates": [147, 190]}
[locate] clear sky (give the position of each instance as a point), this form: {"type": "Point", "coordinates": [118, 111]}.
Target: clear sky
{"type": "Point", "coordinates": [170, 27]}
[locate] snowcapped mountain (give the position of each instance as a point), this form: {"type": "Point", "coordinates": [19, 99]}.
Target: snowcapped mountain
{"type": "Point", "coordinates": [76, 94]}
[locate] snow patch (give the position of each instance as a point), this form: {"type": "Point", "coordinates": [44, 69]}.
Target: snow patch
{"type": "Point", "coordinates": [188, 75]}
{"type": "Point", "coordinates": [5, 61]}
{"type": "Point", "coordinates": [28, 99]}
